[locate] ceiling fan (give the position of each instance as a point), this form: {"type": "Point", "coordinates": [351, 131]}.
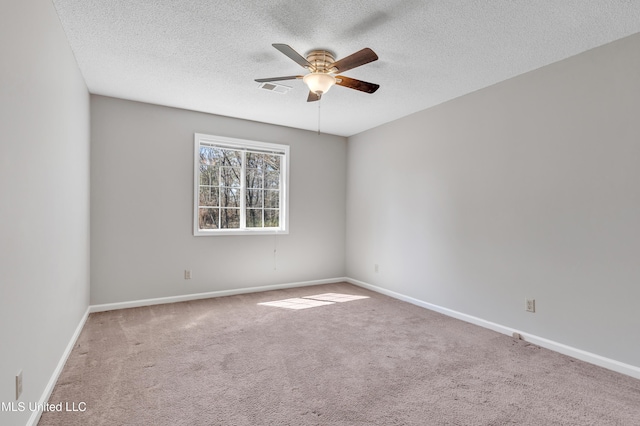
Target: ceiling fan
{"type": "Point", "coordinates": [323, 69]}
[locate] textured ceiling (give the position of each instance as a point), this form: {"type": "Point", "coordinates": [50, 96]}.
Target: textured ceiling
{"type": "Point", "coordinates": [203, 55]}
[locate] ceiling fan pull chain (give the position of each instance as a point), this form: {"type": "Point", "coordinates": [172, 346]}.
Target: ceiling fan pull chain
{"type": "Point", "coordinates": [319, 116]}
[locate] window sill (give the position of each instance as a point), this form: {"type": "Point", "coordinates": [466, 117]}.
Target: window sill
{"type": "Point", "coordinates": [221, 232]}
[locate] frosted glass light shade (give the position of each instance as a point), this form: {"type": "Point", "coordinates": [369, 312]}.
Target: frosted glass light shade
{"type": "Point", "coordinates": [319, 82]}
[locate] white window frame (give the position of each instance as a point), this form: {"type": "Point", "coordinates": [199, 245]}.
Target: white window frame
{"type": "Point", "coordinates": [242, 145]}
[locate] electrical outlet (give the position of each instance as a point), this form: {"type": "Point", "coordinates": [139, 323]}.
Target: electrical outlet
{"type": "Point", "coordinates": [187, 274]}
{"type": "Point", "coordinates": [375, 268]}
{"type": "Point", "coordinates": [530, 305]}
{"type": "Point", "coordinates": [18, 385]}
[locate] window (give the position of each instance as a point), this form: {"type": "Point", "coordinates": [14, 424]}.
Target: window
{"type": "Point", "coordinates": [240, 186]}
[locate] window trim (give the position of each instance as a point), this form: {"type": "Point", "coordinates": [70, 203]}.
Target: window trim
{"type": "Point", "coordinates": [241, 145]}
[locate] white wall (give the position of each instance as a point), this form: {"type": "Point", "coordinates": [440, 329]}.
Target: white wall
{"type": "Point", "coordinates": [44, 202]}
{"type": "Point", "coordinates": [529, 188]}
{"type": "Point", "coordinates": [141, 207]}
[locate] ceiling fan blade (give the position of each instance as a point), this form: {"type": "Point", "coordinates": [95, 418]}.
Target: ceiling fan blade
{"type": "Point", "coordinates": [361, 57]}
{"type": "Point", "coordinates": [298, 58]}
{"type": "Point", "coordinates": [313, 97]}
{"type": "Point", "coordinates": [360, 85]}
{"type": "Point", "coordinates": [290, 77]}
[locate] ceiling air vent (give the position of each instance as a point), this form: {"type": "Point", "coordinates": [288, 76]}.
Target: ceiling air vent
{"type": "Point", "coordinates": [272, 87]}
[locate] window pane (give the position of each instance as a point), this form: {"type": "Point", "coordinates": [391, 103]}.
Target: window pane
{"type": "Point", "coordinates": [254, 178]}
{"type": "Point", "coordinates": [254, 218]}
{"type": "Point", "coordinates": [210, 155]}
{"type": "Point", "coordinates": [208, 196]}
{"type": "Point", "coordinates": [254, 160]}
{"type": "Point", "coordinates": [272, 180]}
{"type": "Point", "coordinates": [231, 158]}
{"type": "Point", "coordinates": [209, 175]}
{"type": "Point", "coordinates": [229, 218]}
{"type": "Point", "coordinates": [272, 162]}
{"type": "Point", "coordinates": [230, 197]}
{"type": "Point", "coordinates": [207, 218]}
{"type": "Point", "coordinates": [231, 176]}
{"type": "Point", "coordinates": [271, 218]}
{"type": "Point", "coordinates": [272, 199]}
{"type": "Point", "coordinates": [254, 198]}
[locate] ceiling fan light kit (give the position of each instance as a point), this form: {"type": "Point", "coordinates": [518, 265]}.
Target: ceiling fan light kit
{"type": "Point", "coordinates": [323, 67]}
{"type": "Point", "coordinates": [319, 82]}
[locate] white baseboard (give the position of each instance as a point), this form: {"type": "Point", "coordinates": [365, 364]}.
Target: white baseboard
{"type": "Point", "coordinates": [208, 295]}
{"type": "Point", "coordinates": [35, 415]}
{"type": "Point", "coordinates": [611, 364]}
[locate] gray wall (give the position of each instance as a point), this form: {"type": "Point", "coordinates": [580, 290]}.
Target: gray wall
{"type": "Point", "coordinates": [44, 203]}
{"type": "Point", "coordinates": [529, 188]}
{"type": "Point", "coordinates": [141, 207]}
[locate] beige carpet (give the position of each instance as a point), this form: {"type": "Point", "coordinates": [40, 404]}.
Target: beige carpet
{"type": "Point", "coordinates": [372, 361]}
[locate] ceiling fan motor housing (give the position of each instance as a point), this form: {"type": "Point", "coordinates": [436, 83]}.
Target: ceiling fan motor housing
{"type": "Point", "coordinates": [321, 60]}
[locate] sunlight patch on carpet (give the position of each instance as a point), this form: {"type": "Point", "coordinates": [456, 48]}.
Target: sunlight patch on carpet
{"type": "Point", "coordinates": [296, 303]}
{"type": "Point", "coordinates": [313, 301]}
{"type": "Point", "coordinates": [336, 297]}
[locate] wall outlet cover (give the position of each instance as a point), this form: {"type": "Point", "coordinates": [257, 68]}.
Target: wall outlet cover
{"type": "Point", "coordinates": [530, 305]}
